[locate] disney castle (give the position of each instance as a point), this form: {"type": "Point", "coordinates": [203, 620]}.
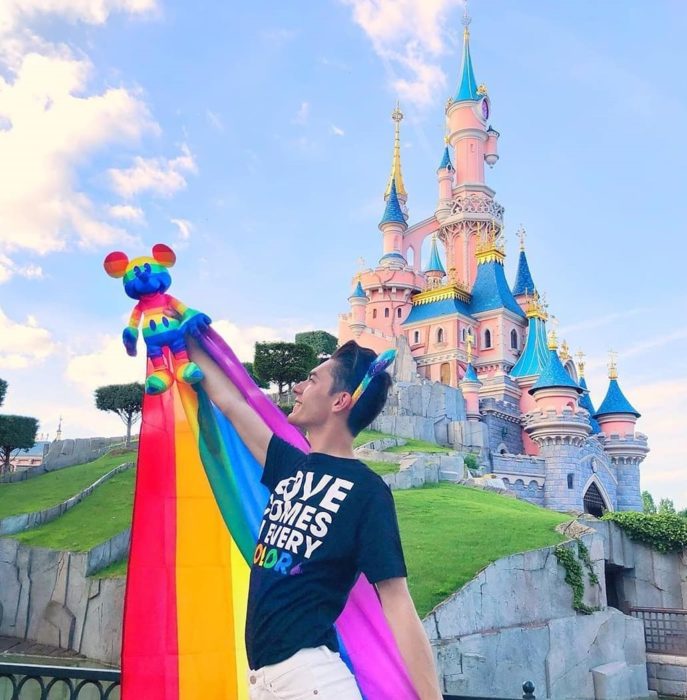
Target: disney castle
{"type": "Point", "coordinates": [467, 327]}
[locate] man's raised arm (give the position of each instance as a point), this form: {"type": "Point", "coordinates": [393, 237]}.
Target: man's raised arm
{"type": "Point", "coordinates": [226, 396]}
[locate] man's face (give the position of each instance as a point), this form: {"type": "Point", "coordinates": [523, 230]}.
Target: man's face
{"type": "Point", "coordinates": [313, 403]}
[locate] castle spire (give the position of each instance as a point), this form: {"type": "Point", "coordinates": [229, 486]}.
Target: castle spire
{"type": "Point", "coordinates": [615, 401]}
{"type": "Point", "coordinates": [467, 89]}
{"type": "Point", "coordinates": [435, 264]}
{"type": "Point", "coordinates": [524, 284]}
{"type": "Point", "coordinates": [392, 211]}
{"type": "Point", "coordinates": [396, 176]}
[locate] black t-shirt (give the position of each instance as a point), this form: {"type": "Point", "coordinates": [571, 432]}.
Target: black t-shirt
{"type": "Point", "coordinates": [327, 519]}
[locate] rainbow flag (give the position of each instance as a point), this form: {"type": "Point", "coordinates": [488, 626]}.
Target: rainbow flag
{"type": "Point", "coordinates": [197, 509]}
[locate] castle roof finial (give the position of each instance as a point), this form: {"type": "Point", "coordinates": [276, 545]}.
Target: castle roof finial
{"type": "Point", "coordinates": [612, 364]}
{"type": "Point", "coordinates": [522, 234]}
{"type": "Point", "coordinates": [396, 174]}
{"type": "Point", "coordinates": [564, 354]}
{"type": "Point", "coordinates": [580, 363]}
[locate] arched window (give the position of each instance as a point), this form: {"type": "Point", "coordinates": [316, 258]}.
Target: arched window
{"type": "Point", "coordinates": [374, 313]}
{"type": "Point", "coordinates": [487, 338]}
{"type": "Point", "coordinates": [514, 339]}
{"type": "Point", "coordinates": [416, 337]}
{"type": "Point", "coordinates": [386, 312]}
{"type": "Point", "coordinates": [440, 335]}
{"type": "Point", "coordinates": [398, 312]}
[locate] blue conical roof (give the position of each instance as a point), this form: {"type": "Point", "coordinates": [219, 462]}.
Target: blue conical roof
{"type": "Point", "coordinates": [392, 210]}
{"type": "Point", "coordinates": [615, 402]}
{"type": "Point", "coordinates": [523, 280]}
{"type": "Point", "coordinates": [535, 356]}
{"type": "Point", "coordinates": [555, 376]}
{"type": "Point", "coordinates": [491, 290]}
{"type": "Point", "coordinates": [470, 374]}
{"type": "Point", "coordinates": [359, 292]}
{"type": "Point", "coordinates": [585, 402]}
{"type": "Point", "coordinates": [434, 260]}
{"type": "Point", "coordinates": [467, 90]}
{"type": "Point", "coordinates": [446, 161]}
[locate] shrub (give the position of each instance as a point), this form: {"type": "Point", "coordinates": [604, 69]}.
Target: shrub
{"type": "Point", "coordinates": [664, 532]}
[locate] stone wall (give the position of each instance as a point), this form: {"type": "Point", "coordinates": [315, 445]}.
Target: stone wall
{"type": "Point", "coordinates": [66, 453]}
{"type": "Point", "coordinates": [515, 621]}
{"type": "Point", "coordinates": [503, 422]}
{"type": "Point", "coordinates": [46, 597]}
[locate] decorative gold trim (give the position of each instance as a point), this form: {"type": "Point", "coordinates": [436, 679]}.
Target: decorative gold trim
{"type": "Point", "coordinates": [535, 306]}
{"type": "Point", "coordinates": [580, 363]}
{"type": "Point", "coordinates": [447, 291]}
{"type": "Point", "coordinates": [612, 364]}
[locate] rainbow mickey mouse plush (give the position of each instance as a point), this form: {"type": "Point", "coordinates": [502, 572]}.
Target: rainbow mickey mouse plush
{"type": "Point", "coordinates": [165, 319]}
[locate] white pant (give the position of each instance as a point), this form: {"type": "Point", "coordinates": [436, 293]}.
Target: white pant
{"type": "Point", "coordinates": [310, 674]}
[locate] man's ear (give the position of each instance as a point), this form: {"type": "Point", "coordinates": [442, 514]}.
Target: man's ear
{"type": "Point", "coordinates": [343, 402]}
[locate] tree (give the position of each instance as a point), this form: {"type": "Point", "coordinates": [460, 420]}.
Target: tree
{"type": "Point", "coordinates": [126, 400]}
{"type": "Point", "coordinates": [283, 363]}
{"type": "Point", "coordinates": [3, 390]}
{"type": "Point", "coordinates": [321, 342]}
{"type": "Point", "coordinates": [648, 501]}
{"type": "Point", "coordinates": [666, 505]}
{"type": "Point", "coordinates": [248, 366]}
{"type": "Point", "coordinates": [16, 433]}
{"type": "Point", "coordinates": [682, 513]}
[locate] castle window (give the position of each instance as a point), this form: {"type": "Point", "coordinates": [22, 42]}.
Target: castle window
{"type": "Point", "coordinates": [416, 337]}
{"type": "Point", "coordinates": [398, 312]}
{"type": "Point", "coordinates": [374, 313]}
{"type": "Point", "coordinates": [440, 335]}
{"type": "Point", "coordinates": [571, 480]}
{"type": "Point", "coordinates": [487, 338]}
{"type": "Point", "coordinates": [514, 339]}
{"type": "Point", "coordinates": [463, 335]}
{"type": "Point", "coordinates": [386, 312]}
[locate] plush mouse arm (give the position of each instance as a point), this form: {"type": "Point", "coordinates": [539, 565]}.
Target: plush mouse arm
{"type": "Point", "coordinates": [130, 334]}
{"type": "Point", "coordinates": [192, 320]}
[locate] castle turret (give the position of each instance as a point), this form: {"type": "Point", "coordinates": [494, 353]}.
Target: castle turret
{"type": "Point", "coordinates": [524, 287]}
{"type": "Point", "coordinates": [470, 386]}
{"type": "Point", "coordinates": [393, 225]}
{"type": "Point", "coordinates": [625, 447]}
{"type": "Point", "coordinates": [559, 429]}
{"type": "Point", "coordinates": [434, 272]}
{"type": "Point", "coordinates": [358, 301]}
{"type": "Point", "coordinates": [445, 175]}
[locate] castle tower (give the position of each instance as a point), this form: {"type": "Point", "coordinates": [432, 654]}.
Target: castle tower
{"type": "Point", "coordinates": [524, 287]}
{"type": "Point", "coordinates": [473, 143]}
{"type": "Point", "coordinates": [445, 175]}
{"type": "Point", "coordinates": [559, 429]}
{"type": "Point", "coordinates": [393, 225]}
{"type": "Point", "coordinates": [434, 272]}
{"type": "Point", "coordinates": [625, 447]}
{"type": "Point", "coordinates": [358, 301]}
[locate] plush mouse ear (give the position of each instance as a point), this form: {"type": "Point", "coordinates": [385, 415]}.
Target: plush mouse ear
{"type": "Point", "coordinates": [115, 264]}
{"type": "Point", "coordinates": [164, 255]}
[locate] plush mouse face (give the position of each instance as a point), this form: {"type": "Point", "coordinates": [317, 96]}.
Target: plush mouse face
{"type": "Point", "coordinates": [142, 276]}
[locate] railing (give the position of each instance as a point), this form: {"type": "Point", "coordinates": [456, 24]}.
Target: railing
{"type": "Point", "coordinates": [32, 682]}
{"type": "Point", "coordinates": [665, 629]}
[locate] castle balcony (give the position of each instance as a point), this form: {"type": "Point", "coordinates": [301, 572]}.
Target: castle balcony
{"type": "Point", "coordinates": [473, 206]}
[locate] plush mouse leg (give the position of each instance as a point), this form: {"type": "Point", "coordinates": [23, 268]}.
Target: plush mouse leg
{"type": "Point", "coordinates": [185, 371]}
{"type": "Point", "coordinates": [161, 378]}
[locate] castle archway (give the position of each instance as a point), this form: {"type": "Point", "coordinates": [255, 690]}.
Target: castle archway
{"type": "Point", "coordinates": [594, 502]}
{"type": "Point", "coordinates": [445, 373]}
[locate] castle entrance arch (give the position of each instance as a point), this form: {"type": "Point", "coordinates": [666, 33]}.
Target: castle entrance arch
{"type": "Point", "coordinates": [594, 502]}
{"type": "Point", "coordinates": [445, 373]}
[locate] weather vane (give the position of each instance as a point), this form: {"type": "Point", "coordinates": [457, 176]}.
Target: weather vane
{"type": "Point", "coordinates": [521, 234]}
{"type": "Point", "coordinates": [466, 17]}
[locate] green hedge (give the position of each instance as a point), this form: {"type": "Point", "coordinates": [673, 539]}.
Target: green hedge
{"type": "Point", "coordinates": [665, 532]}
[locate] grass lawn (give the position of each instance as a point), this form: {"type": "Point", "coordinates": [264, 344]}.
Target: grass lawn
{"type": "Point", "coordinates": [50, 489]}
{"type": "Point", "coordinates": [383, 467]}
{"type": "Point", "coordinates": [368, 436]}
{"type": "Point", "coordinates": [412, 445]}
{"type": "Point", "coordinates": [113, 570]}
{"type": "Point", "coordinates": [451, 532]}
{"type": "Point", "coordinates": [102, 515]}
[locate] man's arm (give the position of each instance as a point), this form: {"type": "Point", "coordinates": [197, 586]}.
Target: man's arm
{"type": "Point", "coordinates": [410, 636]}
{"type": "Point", "coordinates": [226, 396]}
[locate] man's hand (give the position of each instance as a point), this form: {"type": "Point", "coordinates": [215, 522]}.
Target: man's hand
{"type": "Point", "coordinates": [410, 637]}
{"type": "Point", "coordinates": [130, 336]}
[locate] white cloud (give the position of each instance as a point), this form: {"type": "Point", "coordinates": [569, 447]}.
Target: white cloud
{"type": "Point", "coordinates": [160, 176]}
{"type": "Point", "coordinates": [127, 212]}
{"type": "Point", "coordinates": [337, 130]}
{"type": "Point", "coordinates": [409, 36]}
{"type": "Point", "coordinates": [185, 228]}
{"type": "Point", "coordinates": [8, 269]}
{"type": "Point", "coordinates": [108, 363]}
{"type": "Point", "coordinates": [16, 12]}
{"type": "Point", "coordinates": [302, 114]}
{"type": "Point", "coordinates": [23, 344]}
{"type": "Point", "coordinates": [53, 129]}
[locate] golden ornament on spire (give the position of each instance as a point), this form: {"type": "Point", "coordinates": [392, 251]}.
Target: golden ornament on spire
{"type": "Point", "coordinates": [490, 245]}
{"type": "Point", "coordinates": [612, 364]}
{"type": "Point", "coordinates": [535, 306]}
{"type": "Point", "coordinates": [580, 363]}
{"type": "Point", "coordinates": [396, 174]}
{"type": "Point", "coordinates": [553, 340]}
{"type": "Point", "coordinates": [564, 354]}
{"type": "Point", "coordinates": [521, 234]}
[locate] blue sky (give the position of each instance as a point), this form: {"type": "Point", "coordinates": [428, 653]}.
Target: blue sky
{"type": "Point", "coordinates": [256, 139]}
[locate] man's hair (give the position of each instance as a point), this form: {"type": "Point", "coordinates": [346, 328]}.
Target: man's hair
{"type": "Point", "coordinates": [351, 362]}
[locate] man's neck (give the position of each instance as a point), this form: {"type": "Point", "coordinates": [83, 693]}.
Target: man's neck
{"type": "Point", "coordinates": [331, 440]}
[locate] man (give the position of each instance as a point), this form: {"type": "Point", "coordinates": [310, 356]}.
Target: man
{"type": "Point", "coordinates": [329, 518]}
